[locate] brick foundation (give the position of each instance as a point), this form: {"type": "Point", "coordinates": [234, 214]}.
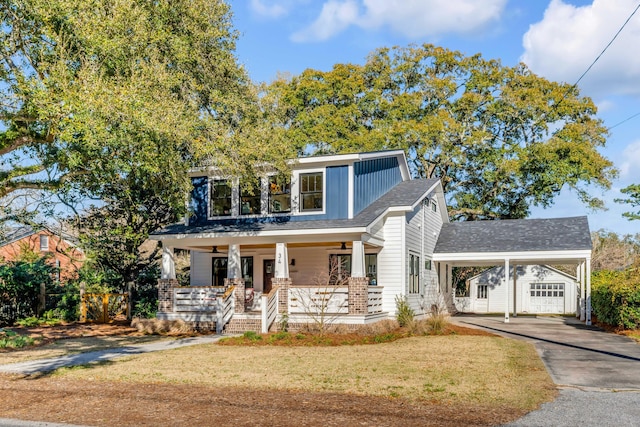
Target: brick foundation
{"type": "Point", "coordinates": [238, 325]}
{"type": "Point", "coordinates": [283, 293]}
{"type": "Point", "coordinates": [239, 293]}
{"type": "Point", "coordinates": [358, 295]}
{"type": "Point", "coordinates": [165, 295]}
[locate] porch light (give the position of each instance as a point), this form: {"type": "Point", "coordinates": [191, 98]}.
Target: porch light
{"type": "Point", "coordinates": [293, 261]}
{"type": "Point", "coordinates": [343, 246]}
{"type": "Point", "coordinates": [214, 250]}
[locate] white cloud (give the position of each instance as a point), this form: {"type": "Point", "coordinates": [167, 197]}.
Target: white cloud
{"type": "Point", "coordinates": [569, 38]}
{"type": "Point", "coordinates": [631, 156]}
{"type": "Point", "coordinates": [410, 18]}
{"type": "Point", "coordinates": [273, 9]}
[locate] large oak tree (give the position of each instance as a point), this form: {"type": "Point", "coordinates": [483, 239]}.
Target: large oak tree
{"type": "Point", "coordinates": [500, 138]}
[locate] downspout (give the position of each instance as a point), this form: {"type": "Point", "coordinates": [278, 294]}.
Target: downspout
{"type": "Point", "coordinates": [422, 272]}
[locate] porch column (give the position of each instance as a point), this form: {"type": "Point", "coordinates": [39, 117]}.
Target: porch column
{"type": "Point", "coordinates": [234, 276]}
{"type": "Point", "coordinates": [579, 280]}
{"type": "Point", "coordinates": [358, 281]}
{"type": "Point", "coordinates": [282, 261]}
{"type": "Point", "coordinates": [281, 277]}
{"type": "Point", "coordinates": [515, 290]}
{"type": "Point", "coordinates": [583, 287]}
{"type": "Point", "coordinates": [357, 259]}
{"type": "Point", "coordinates": [506, 290]}
{"type": "Point", "coordinates": [168, 264]}
{"type": "Point", "coordinates": [588, 277]}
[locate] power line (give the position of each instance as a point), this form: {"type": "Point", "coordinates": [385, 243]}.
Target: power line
{"type": "Point", "coordinates": [624, 121]}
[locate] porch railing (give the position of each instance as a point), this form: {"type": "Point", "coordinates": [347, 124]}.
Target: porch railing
{"type": "Point", "coordinates": [269, 309]}
{"type": "Point", "coordinates": [207, 299]}
{"type": "Point", "coordinates": [318, 299]}
{"type": "Point", "coordinates": [374, 304]}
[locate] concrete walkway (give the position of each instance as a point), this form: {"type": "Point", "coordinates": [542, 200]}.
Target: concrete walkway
{"type": "Point", "coordinates": [51, 364]}
{"type": "Point", "coordinates": [598, 373]}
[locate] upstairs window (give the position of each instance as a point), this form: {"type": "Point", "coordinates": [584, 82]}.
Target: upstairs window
{"type": "Point", "coordinates": [279, 194]}
{"type": "Point", "coordinates": [220, 197]}
{"type": "Point", "coordinates": [250, 198]}
{"type": "Point", "coordinates": [44, 243]}
{"type": "Point", "coordinates": [311, 191]}
{"type": "Point", "coordinates": [434, 206]}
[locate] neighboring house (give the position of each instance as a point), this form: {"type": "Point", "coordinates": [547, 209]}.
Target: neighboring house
{"type": "Point", "coordinates": [540, 289]}
{"type": "Point", "coordinates": [63, 254]}
{"type": "Point", "coordinates": [355, 220]}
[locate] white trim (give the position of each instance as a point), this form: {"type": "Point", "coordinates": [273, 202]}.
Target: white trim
{"type": "Point", "coordinates": [351, 191]}
{"type": "Point", "coordinates": [296, 202]}
{"type": "Point", "coordinates": [515, 256]}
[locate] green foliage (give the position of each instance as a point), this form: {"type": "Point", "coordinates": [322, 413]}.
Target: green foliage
{"type": "Point", "coordinates": [20, 287]}
{"type": "Point", "coordinates": [633, 199]}
{"type": "Point", "coordinates": [10, 339]}
{"type": "Point", "coordinates": [404, 313]}
{"type": "Point", "coordinates": [501, 139]}
{"type": "Point", "coordinates": [283, 323]}
{"type": "Point", "coordinates": [252, 336]}
{"type": "Point", "coordinates": [28, 322]}
{"type": "Point", "coordinates": [615, 297]}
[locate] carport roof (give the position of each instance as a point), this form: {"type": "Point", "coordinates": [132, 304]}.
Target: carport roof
{"type": "Point", "coordinates": [516, 235]}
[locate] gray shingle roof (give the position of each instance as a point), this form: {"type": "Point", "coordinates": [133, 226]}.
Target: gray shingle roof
{"type": "Point", "coordinates": [515, 235]}
{"type": "Point", "coordinates": [406, 193]}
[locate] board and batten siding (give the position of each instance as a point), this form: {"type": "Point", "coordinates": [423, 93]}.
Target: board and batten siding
{"type": "Point", "coordinates": [372, 179]}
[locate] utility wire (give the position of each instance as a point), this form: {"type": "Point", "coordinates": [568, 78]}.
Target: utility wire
{"type": "Point", "coordinates": [624, 121]}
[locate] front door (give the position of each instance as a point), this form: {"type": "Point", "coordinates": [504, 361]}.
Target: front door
{"type": "Point", "coordinates": [267, 274]}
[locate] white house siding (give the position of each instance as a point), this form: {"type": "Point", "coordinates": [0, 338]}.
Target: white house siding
{"type": "Point", "coordinates": [422, 229]}
{"type": "Point", "coordinates": [494, 279]}
{"type": "Point", "coordinates": [390, 258]}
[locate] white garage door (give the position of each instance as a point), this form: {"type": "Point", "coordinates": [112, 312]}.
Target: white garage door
{"type": "Point", "coordinates": [547, 297]}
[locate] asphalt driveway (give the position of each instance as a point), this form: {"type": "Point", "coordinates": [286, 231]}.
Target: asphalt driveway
{"type": "Point", "coordinates": [598, 373]}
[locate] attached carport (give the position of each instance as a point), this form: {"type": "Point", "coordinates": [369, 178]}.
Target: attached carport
{"type": "Point", "coordinates": [552, 241]}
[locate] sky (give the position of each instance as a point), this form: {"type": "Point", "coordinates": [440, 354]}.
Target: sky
{"type": "Point", "coordinates": [557, 39]}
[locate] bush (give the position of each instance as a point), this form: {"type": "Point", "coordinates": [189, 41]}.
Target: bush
{"type": "Point", "coordinates": [615, 298]}
{"type": "Point", "coordinates": [404, 312]}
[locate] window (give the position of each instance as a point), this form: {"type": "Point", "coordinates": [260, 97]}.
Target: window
{"type": "Point", "coordinates": [311, 191]}
{"type": "Point", "coordinates": [414, 274]}
{"type": "Point", "coordinates": [220, 198]}
{"type": "Point", "coordinates": [482, 291]}
{"type": "Point", "coordinates": [279, 194]}
{"type": "Point", "coordinates": [427, 264]}
{"type": "Point", "coordinates": [434, 206]}
{"type": "Point", "coordinates": [44, 243]}
{"type": "Point", "coordinates": [220, 266]}
{"type": "Point", "coordinates": [547, 289]}
{"type": "Point", "coordinates": [250, 198]}
{"type": "Point", "coordinates": [371, 266]}
{"type": "Point", "coordinates": [339, 268]}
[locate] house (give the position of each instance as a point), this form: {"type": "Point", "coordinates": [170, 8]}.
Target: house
{"type": "Point", "coordinates": [539, 289]}
{"type": "Point", "coordinates": [62, 252]}
{"type": "Point", "coordinates": [342, 235]}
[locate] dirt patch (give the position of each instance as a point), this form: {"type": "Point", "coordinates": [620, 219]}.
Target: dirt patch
{"type": "Point", "coordinates": [117, 403]}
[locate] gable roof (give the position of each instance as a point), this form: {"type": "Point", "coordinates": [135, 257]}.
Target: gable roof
{"type": "Point", "coordinates": [17, 233]}
{"type": "Point", "coordinates": [515, 235]}
{"type": "Point", "coordinates": [403, 196]}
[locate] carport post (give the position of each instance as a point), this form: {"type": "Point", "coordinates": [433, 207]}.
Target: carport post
{"type": "Point", "coordinates": [588, 277]}
{"type": "Point", "coordinates": [583, 280]}
{"type": "Point", "coordinates": [506, 290]}
{"type": "Point", "coordinates": [515, 290]}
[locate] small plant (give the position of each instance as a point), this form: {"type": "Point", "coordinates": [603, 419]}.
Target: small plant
{"type": "Point", "coordinates": [404, 313]}
{"type": "Point", "coordinates": [280, 336]}
{"type": "Point", "coordinates": [10, 339]}
{"type": "Point", "coordinates": [29, 322]}
{"type": "Point", "coordinates": [283, 323]}
{"type": "Point", "coordinates": [252, 336]}
{"type": "Point", "coordinates": [437, 320]}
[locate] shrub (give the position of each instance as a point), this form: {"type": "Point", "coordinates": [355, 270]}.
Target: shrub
{"type": "Point", "coordinates": [10, 339]}
{"type": "Point", "coordinates": [615, 298]}
{"type": "Point", "coordinates": [404, 313]}
{"type": "Point", "coordinates": [252, 336]}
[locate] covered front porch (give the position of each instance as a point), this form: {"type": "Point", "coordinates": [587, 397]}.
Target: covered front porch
{"type": "Point", "coordinates": [241, 283]}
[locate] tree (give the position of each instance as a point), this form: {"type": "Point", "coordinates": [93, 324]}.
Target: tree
{"type": "Point", "coordinates": [614, 252]}
{"type": "Point", "coordinates": [501, 139]}
{"type": "Point", "coordinates": [633, 193]}
{"type": "Point", "coordinates": [107, 104]}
